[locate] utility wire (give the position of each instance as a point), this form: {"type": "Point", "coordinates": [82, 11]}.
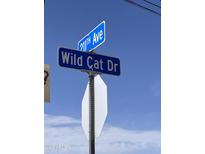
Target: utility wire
{"type": "Point", "coordinates": [152, 4]}
{"type": "Point", "coordinates": [143, 7]}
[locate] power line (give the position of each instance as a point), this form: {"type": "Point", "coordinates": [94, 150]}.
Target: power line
{"type": "Point", "coordinates": [143, 7]}
{"type": "Point", "coordinates": [152, 4]}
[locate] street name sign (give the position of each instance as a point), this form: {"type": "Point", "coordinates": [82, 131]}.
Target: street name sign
{"type": "Point", "coordinates": [88, 61]}
{"type": "Point", "coordinates": [93, 39]}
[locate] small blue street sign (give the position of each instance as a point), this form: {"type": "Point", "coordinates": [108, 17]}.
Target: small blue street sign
{"type": "Point", "coordinates": [88, 61]}
{"type": "Point", "coordinates": [93, 39]}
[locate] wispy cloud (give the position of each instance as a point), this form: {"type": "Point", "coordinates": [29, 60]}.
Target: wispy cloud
{"type": "Point", "coordinates": [64, 135]}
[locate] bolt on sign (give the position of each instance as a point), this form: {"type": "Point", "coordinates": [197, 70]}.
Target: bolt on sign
{"type": "Point", "coordinates": [46, 83]}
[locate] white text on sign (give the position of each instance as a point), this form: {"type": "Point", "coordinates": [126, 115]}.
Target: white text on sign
{"type": "Point", "coordinates": [74, 59]}
{"type": "Point", "coordinates": [88, 61]}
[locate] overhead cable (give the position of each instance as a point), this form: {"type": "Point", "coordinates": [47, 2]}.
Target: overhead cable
{"type": "Point", "coordinates": [143, 7]}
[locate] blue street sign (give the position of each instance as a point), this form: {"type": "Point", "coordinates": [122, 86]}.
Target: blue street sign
{"type": "Point", "coordinates": [93, 39]}
{"type": "Point", "coordinates": [88, 61]}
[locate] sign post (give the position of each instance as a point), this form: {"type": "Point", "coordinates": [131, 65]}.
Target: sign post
{"type": "Point", "coordinates": [91, 114]}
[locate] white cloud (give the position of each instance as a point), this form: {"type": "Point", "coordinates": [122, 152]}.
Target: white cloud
{"type": "Point", "coordinates": [51, 120]}
{"type": "Point", "coordinates": [65, 135]}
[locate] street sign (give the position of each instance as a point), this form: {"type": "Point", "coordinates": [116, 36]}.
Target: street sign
{"type": "Point", "coordinates": [88, 61]}
{"type": "Point", "coordinates": [46, 83]}
{"type": "Point", "coordinates": [100, 107]}
{"type": "Point", "coordinates": [93, 39]}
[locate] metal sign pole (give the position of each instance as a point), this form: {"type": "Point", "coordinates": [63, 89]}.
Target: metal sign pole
{"type": "Point", "coordinates": [91, 114]}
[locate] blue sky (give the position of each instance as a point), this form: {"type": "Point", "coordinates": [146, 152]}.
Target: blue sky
{"type": "Point", "coordinates": [132, 35]}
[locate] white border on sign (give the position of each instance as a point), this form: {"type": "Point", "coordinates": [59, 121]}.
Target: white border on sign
{"type": "Point", "coordinates": [91, 32]}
